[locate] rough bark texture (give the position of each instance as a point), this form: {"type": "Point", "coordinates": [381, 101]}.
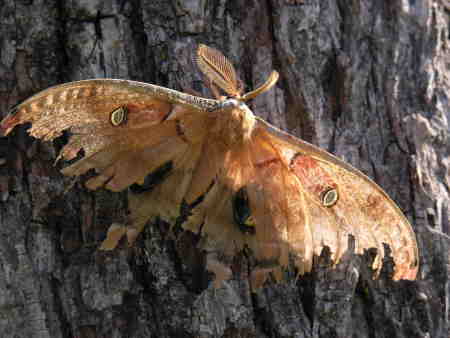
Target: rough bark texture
{"type": "Point", "coordinates": [367, 80]}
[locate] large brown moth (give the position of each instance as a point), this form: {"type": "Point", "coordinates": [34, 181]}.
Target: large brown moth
{"type": "Point", "coordinates": [246, 184]}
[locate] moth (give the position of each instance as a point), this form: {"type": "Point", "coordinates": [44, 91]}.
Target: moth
{"type": "Point", "coordinates": [237, 181]}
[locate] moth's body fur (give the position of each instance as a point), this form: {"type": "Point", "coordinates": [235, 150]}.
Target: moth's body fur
{"type": "Point", "coordinates": [295, 198]}
{"type": "Point", "coordinates": [233, 124]}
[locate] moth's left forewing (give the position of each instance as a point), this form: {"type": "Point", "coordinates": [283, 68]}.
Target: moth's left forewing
{"type": "Point", "coordinates": [362, 208]}
{"type": "Point", "coordinates": [127, 130]}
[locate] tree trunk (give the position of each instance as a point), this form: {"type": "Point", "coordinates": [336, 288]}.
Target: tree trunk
{"type": "Point", "coordinates": [366, 80]}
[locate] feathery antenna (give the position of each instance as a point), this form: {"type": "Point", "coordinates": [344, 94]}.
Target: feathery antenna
{"type": "Point", "coordinates": [218, 69]}
{"type": "Point", "coordinates": [221, 72]}
{"type": "Point", "coordinates": [270, 82]}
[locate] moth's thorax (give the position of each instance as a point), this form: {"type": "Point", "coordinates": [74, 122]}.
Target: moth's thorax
{"type": "Point", "coordinates": [234, 123]}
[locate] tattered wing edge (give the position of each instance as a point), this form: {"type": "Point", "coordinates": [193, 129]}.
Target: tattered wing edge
{"type": "Point", "coordinates": [311, 149]}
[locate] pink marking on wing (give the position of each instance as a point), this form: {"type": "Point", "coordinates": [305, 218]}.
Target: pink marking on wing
{"type": "Point", "coordinates": [312, 176]}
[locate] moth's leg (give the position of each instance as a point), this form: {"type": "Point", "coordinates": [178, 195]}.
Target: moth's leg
{"type": "Point", "coordinates": [215, 91]}
{"type": "Point", "coordinates": [210, 85]}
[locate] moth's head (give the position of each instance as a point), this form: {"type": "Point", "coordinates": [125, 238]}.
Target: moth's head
{"type": "Point", "coordinates": [233, 103]}
{"type": "Point", "coordinates": [221, 72]}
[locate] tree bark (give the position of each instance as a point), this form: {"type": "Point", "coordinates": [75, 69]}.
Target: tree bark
{"type": "Point", "coordinates": [366, 80]}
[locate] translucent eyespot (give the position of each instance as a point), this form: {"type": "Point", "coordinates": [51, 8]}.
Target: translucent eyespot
{"type": "Point", "coordinates": [241, 212]}
{"type": "Point", "coordinates": [250, 222]}
{"type": "Point", "coordinates": [329, 197]}
{"type": "Point", "coordinates": [118, 116]}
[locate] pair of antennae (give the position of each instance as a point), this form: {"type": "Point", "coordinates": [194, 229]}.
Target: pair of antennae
{"type": "Point", "coordinates": [222, 73]}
